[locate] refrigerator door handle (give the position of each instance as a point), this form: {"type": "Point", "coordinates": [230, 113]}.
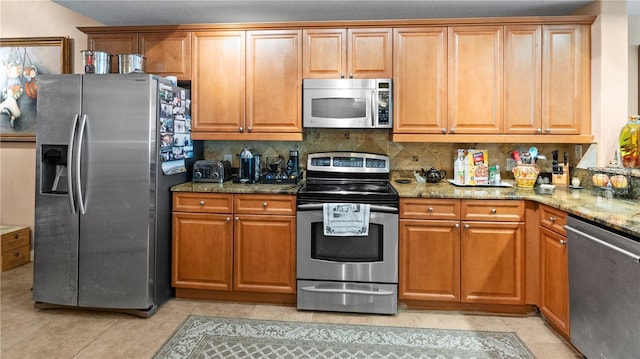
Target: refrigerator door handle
{"type": "Point", "coordinates": [72, 137]}
{"type": "Point", "coordinates": [78, 157]}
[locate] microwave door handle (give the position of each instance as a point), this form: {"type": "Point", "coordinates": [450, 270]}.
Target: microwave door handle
{"type": "Point", "coordinates": [373, 119]}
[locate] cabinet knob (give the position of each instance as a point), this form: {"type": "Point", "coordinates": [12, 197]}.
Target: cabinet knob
{"type": "Point", "coordinates": [351, 75]}
{"type": "Point", "coordinates": [241, 129]}
{"type": "Point", "coordinates": [342, 75]}
{"type": "Point", "coordinates": [552, 219]}
{"type": "Point", "coordinates": [456, 226]}
{"type": "Point", "coordinates": [466, 226]}
{"type": "Point", "coordinates": [264, 204]}
{"type": "Point", "coordinates": [539, 130]}
{"type": "Point", "coordinates": [563, 242]}
{"type": "Point", "coordinates": [494, 211]}
{"type": "Point", "coordinates": [202, 203]}
{"type": "Point", "coordinates": [228, 219]}
{"type": "Point", "coordinates": [248, 129]}
{"type": "Point", "coordinates": [452, 130]}
{"type": "Point", "coordinates": [444, 130]}
{"type": "Point", "coordinates": [237, 219]}
{"type": "Point", "coordinates": [548, 130]}
{"type": "Point", "coordinates": [430, 209]}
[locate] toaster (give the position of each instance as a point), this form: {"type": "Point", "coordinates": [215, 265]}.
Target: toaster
{"type": "Point", "coordinates": [211, 171]}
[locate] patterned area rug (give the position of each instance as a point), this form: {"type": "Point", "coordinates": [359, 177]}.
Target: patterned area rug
{"type": "Point", "coordinates": [209, 337]}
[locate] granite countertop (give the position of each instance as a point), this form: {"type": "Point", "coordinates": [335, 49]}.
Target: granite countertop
{"type": "Point", "coordinates": [619, 214]}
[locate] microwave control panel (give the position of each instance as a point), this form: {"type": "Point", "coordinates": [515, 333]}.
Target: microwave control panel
{"type": "Point", "coordinates": [384, 110]}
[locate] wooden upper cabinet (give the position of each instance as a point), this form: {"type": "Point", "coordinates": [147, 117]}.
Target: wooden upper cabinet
{"type": "Point", "coordinates": [522, 79]}
{"type": "Point", "coordinates": [167, 54]}
{"type": "Point", "coordinates": [370, 53]}
{"type": "Point", "coordinates": [324, 53]}
{"type": "Point", "coordinates": [347, 53]}
{"type": "Point", "coordinates": [420, 80]}
{"type": "Point", "coordinates": [566, 79]}
{"type": "Point", "coordinates": [218, 81]}
{"type": "Point", "coordinates": [475, 79]}
{"type": "Point", "coordinates": [114, 44]}
{"type": "Point", "coordinates": [274, 81]}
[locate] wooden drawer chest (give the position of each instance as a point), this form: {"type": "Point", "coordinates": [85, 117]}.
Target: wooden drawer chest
{"type": "Point", "coordinates": [16, 246]}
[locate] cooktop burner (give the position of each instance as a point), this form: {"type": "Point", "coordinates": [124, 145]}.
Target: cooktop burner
{"type": "Point", "coordinates": [348, 177]}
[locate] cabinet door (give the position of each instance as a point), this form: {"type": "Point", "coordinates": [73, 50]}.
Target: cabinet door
{"type": "Point", "coordinates": [265, 253]}
{"type": "Point", "coordinates": [475, 79]}
{"type": "Point", "coordinates": [565, 80]}
{"type": "Point", "coordinates": [420, 80]}
{"type": "Point", "coordinates": [114, 43]}
{"type": "Point", "coordinates": [218, 81]}
{"type": "Point", "coordinates": [274, 81]}
{"type": "Point", "coordinates": [324, 53]}
{"type": "Point", "coordinates": [554, 269]}
{"type": "Point", "coordinates": [370, 53]}
{"type": "Point", "coordinates": [429, 260]}
{"type": "Point", "coordinates": [202, 251]}
{"type": "Point", "coordinates": [167, 53]}
{"type": "Point", "coordinates": [492, 262]}
{"type": "Point", "coordinates": [522, 79]}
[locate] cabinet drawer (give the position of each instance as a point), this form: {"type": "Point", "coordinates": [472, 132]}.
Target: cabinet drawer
{"type": "Point", "coordinates": [422, 208]}
{"type": "Point", "coordinates": [14, 237]}
{"type": "Point", "coordinates": [493, 210]}
{"type": "Point", "coordinates": [553, 219]}
{"type": "Point", "coordinates": [202, 202]}
{"type": "Point", "coordinates": [15, 257]}
{"type": "Point", "coordinates": [265, 204]}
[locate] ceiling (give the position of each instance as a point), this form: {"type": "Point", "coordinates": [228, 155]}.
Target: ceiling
{"type": "Point", "coordinates": [172, 12]}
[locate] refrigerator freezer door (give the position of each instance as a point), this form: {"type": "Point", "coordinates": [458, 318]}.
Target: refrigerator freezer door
{"type": "Point", "coordinates": [118, 182]}
{"type": "Point", "coordinates": [56, 228]}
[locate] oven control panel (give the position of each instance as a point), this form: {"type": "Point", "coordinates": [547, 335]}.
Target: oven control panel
{"type": "Point", "coordinates": [348, 162]}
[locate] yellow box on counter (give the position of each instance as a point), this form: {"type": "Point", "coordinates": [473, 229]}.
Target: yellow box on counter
{"type": "Point", "coordinates": [15, 245]}
{"type": "Point", "coordinates": [478, 167]}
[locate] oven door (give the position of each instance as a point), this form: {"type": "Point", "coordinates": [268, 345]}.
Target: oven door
{"type": "Point", "coordinates": [371, 259]}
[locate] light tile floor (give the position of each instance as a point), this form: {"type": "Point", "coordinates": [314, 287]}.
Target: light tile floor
{"type": "Point", "coordinates": [26, 332]}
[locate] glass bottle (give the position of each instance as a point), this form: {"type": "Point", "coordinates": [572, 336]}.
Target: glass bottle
{"type": "Point", "coordinates": [629, 142]}
{"type": "Point", "coordinates": [458, 165]}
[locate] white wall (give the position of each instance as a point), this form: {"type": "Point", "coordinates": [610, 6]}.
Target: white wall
{"type": "Point", "coordinates": [609, 74]}
{"type": "Point", "coordinates": [25, 18]}
{"type": "Point", "coordinates": [634, 44]}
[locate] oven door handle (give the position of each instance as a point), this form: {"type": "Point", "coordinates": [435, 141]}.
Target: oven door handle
{"type": "Point", "coordinates": [347, 291]}
{"type": "Point", "coordinates": [373, 207]}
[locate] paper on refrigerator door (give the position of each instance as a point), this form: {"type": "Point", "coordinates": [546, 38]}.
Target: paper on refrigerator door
{"type": "Point", "coordinates": [346, 219]}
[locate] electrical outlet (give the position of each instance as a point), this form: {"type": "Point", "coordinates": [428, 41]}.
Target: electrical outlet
{"type": "Point", "coordinates": [578, 152]}
{"type": "Point", "coordinates": [416, 158]}
{"type": "Point", "coordinates": [228, 157]}
{"type": "Point", "coordinates": [510, 164]}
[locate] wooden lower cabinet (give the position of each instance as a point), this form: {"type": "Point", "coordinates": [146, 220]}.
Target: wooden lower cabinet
{"type": "Point", "coordinates": [264, 253]}
{"type": "Point", "coordinates": [492, 262]}
{"type": "Point", "coordinates": [234, 247]}
{"type": "Point", "coordinates": [554, 270]}
{"type": "Point", "coordinates": [429, 260]}
{"type": "Point", "coordinates": [464, 261]}
{"type": "Point", "coordinates": [202, 251]}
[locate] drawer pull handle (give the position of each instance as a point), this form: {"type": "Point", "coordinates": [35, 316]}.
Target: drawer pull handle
{"type": "Point", "coordinates": [430, 209]}
{"type": "Point", "coordinates": [202, 203]}
{"type": "Point", "coordinates": [264, 205]}
{"type": "Point", "coordinates": [563, 242]}
{"type": "Point", "coordinates": [494, 211]}
{"type": "Point", "coordinates": [552, 219]}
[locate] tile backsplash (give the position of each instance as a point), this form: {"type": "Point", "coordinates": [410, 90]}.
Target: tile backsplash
{"type": "Point", "coordinates": [406, 156]}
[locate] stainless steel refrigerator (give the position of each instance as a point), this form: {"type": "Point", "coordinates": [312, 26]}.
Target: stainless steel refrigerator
{"type": "Point", "coordinates": [108, 150]}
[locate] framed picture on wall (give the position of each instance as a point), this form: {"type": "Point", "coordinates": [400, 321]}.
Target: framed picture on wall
{"type": "Point", "coordinates": [22, 60]}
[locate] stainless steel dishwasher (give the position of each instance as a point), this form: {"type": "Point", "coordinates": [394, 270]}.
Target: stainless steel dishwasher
{"type": "Point", "coordinates": [604, 291]}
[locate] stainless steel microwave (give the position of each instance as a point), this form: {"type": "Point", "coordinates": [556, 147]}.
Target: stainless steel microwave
{"type": "Point", "coordinates": [347, 103]}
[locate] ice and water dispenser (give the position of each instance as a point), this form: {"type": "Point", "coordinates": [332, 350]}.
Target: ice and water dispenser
{"type": "Point", "coordinates": [53, 177]}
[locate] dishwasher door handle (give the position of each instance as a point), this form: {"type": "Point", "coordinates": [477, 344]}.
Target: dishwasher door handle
{"type": "Point", "coordinates": [634, 257]}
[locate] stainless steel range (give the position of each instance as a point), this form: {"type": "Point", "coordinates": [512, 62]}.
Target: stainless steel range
{"type": "Point", "coordinates": [347, 234]}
